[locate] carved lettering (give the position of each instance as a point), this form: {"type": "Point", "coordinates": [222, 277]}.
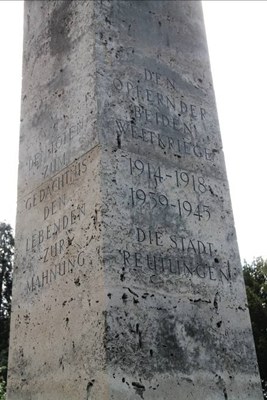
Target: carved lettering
{"type": "Point", "coordinates": [172, 145]}
{"type": "Point", "coordinates": [183, 244]}
{"type": "Point", "coordinates": [54, 207]}
{"type": "Point", "coordinates": [158, 174]}
{"type": "Point", "coordinates": [159, 99]}
{"type": "Point", "coordinates": [67, 177]}
{"type": "Point", "coordinates": [62, 134]}
{"type": "Point", "coordinates": [183, 267]}
{"type": "Point", "coordinates": [55, 165]}
{"type": "Point", "coordinates": [39, 281]}
{"type": "Point", "coordinates": [61, 224]}
{"type": "Point", "coordinates": [54, 250]}
{"type": "Point", "coordinates": [156, 200]}
{"type": "Point", "coordinates": [170, 83]}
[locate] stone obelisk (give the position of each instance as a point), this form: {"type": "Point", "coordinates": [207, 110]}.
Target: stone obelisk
{"type": "Point", "coordinates": [127, 281]}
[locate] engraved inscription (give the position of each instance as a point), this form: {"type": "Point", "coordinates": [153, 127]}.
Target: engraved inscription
{"type": "Point", "coordinates": [173, 87]}
{"type": "Point", "coordinates": [51, 231]}
{"type": "Point", "coordinates": [182, 244]}
{"type": "Point", "coordinates": [67, 177]}
{"type": "Point", "coordinates": [177, 146]}
{"type": "Point", "coordinates": [184, 208]}
{"type": "Point", "coordinates": [158, 114]}
{"type": "Point", "coordinates": [160, 265]}
{"type": "Point", "coordinates": [155, 98]}
{"type": "Point", "coordinates": [182, 179]}
{"type": "Point", "coordinates": [66, 266]}
{"type": "Point", "coordinates": [53, 243]}
{"type": "Point", "coordinates": [54, 155]}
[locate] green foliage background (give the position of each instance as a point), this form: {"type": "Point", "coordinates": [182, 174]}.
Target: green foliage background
{"type": "Point", "coordinates": [6, 264]}
{"type": "Point", "coordinates": [255, 275]}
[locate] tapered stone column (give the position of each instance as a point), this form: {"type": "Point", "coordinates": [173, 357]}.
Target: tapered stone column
{"type": "Point", "coordinates": [127, 281]}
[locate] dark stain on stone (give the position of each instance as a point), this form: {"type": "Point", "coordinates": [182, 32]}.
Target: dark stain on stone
{"type": "Point", "coordinates": [221, 385]}
{"type": "Point", "coordinates": [215, 302]}
{"type": "Point", "coordinates": [139, 333]}
{"type": "Point", "coordinates": [107, 21]}
{"type": "Point", "coordinates": [70, 241]}
{"type": "Point", "coordinates": [122, 275]}
{"type": "Point", "coordinates": [95, 218]}
{"type": "Point", "coordinates": [132, 292]}
{"type": "Point", "coordinates": [139, 389]}
{"type": "Point", "coordinates": [168, 342]}
{"type": "Point", "coordinates": [119, 140]}
{"type": "Point", "coordinates": [59, 28]}
{"type": "Point", "coordinates": [211, 191]}
{"type": "Point", "coordinates": [61, 363]}
{"type": "Point", "coordinates": [199, 300]}
{"type": "Point", "coordinates": [77, 282]}
{"type": "Point", "coordinates": [89, 389]}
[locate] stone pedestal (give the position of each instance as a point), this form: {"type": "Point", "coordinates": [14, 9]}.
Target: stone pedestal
{"type": "Point", "coordinates": [127, 282]}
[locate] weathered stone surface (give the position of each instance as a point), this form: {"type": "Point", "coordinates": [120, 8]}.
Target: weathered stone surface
{"type": "Point", "coordinates": [127, 282]}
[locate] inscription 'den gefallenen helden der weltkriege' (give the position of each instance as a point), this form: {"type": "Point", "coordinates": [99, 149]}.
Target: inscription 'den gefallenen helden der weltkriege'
{"type": "Point", "coordinates": [161, 121]}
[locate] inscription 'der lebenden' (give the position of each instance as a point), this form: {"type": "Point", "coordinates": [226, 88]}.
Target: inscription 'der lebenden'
{"type": "Point", "coordinates": [52, 230]}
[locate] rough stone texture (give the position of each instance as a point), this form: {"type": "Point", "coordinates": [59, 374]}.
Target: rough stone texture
{"type": "Point", "coordinates": [127, 282]}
